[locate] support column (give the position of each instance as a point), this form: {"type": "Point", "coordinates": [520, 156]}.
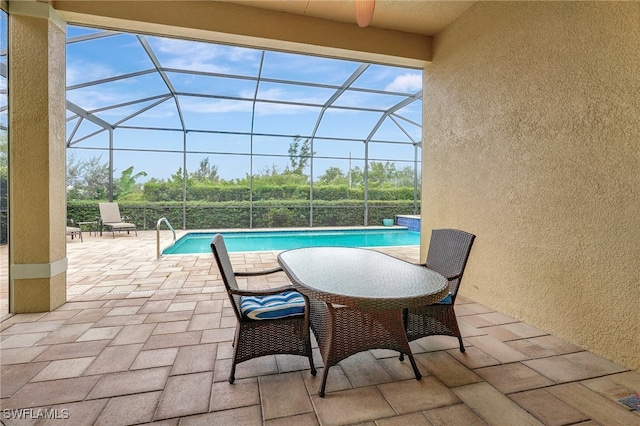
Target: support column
{"type": "Point", "coordinates": [37, 159]}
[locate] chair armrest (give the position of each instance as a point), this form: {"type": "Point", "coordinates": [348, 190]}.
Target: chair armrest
{"type": "Point", "coordinates": [448, 278]}
{"type": "Point", "coordinates": [254, 273]}
{"type": "Point", "coordinates": [266, 292]}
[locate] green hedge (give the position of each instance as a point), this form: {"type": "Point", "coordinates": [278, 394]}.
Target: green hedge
{"type": "Point", "coordinates": [237, 214]}
{"type": "Point", "coordinates": [169, 191]}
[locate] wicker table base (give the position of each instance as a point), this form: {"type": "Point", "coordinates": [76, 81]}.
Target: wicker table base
{"type": "Point", "coordinates": [342, 331]}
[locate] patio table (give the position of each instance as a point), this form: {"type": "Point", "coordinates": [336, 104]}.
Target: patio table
{"type": "Point", "coordinates": [92, 226]}
{"type": "Point", "coordinates": [357, 297]}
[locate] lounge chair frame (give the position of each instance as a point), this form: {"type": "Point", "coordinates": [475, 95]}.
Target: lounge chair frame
{"type": "Point", "coordinates": [74, 231]}
{"type": "Point", "coordinates": [110, 218]}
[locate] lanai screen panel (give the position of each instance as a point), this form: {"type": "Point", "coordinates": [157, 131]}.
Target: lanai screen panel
{"type": "Point", "coordinates": [179, 109]}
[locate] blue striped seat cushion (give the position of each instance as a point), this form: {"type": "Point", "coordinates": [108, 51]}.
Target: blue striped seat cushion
{"type": "Point", "coordinates": [287, 304]}
{"type": "Point", "coordinates": [446, 301]}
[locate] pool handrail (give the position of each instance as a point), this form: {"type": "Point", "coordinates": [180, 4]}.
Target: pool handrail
{"type": "Point", "coordinates": [165, 220]}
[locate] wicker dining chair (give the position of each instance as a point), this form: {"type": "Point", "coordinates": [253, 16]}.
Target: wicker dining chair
{"type": "Point", "coordinates": [448, 254]}
{"type": "Point", "coordinates": [272, 334]}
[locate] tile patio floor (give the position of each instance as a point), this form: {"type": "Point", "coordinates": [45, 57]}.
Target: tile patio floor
{"type": "Point", "coordinates": [144, 340]}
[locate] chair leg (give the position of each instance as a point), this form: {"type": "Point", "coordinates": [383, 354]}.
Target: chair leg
{"type": "Point", "coordinates": [461, 344]}
{"type": "Point", "coordinates": [235, 344]}
{"type": "Point", "coordinates": [324, 381]}
{"type": "Point", "coordinates": [232, 375]}
{"type": "Point", "coordinates": [416, 371]}
{"type": "Point", "coordinates": [405, 322]}
{"type": "Point", "coordinates": [313, 367]}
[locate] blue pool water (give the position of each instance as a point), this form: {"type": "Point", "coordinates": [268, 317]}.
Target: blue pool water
{"type": "Point", "coordinates": [199, 242]}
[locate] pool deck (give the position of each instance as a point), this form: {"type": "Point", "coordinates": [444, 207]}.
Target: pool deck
{"type": "Point", "coordinates": [103, 269]}
{"type": "Point", "coordinates": [144, 340]}
{"type": "Point", "coordinates": [104, 264]}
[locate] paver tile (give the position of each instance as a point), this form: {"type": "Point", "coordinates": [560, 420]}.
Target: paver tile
{"type": "Point", "coordinates": [114, 358]}
{"type": "Point", "coordinates": [283, 395]}
{"type": "Point", "coordinates": [64, 369]}
{"type": "Point", "coordinates": [352, 406]}
{"type": "Point", "coordinates": [51, 392]}
{"type": "Point", "coordinates": [514, 377]}
{"type": "Point", "coordinates": [129, 382]}
{"type": "Point", "coordinates": [155, 358]}
{"type": "Point", "coordinates": [185, 395]}
{"type": "Point", "coordinates": [245, 416]}
{"type": "Point", "coordinates": [494, 407]}
{"type": "Point", "coordinates": [362, 369]}
{"type": "Point", "coordinates": [547, 408]}
{"type": "Point", "coordinates": [194, 359]}
{"type": "Point", "coordinates": [447, 369]}
{"type": "Point", "coordinates": [241, 393]}
{"type": "Point", "coordinates": [13, 377]}
{"type": "Point", "coordinates": [129, 410]}
{"type": "Point", "coordinates": [413, 395]}
{"type": "Point", "coordinates": [454, 415]}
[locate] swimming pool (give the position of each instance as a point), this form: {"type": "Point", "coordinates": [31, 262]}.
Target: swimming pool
{"type": "Point", "coordinates": [199, 242]}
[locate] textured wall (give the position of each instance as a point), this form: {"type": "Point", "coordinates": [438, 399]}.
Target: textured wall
{"type": "Point", "coordinates": [532, 142]}
{"type": "Point", "coordinates": [37, 157]}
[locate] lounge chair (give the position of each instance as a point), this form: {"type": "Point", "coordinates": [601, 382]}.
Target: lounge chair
{"type": "Point", "coordinates": [273, 321]}
{"type": "Point", "coordinates": [448, 253]}
{"type": "Point", "coordinates": [111, 219]}
{"type": "Point", "coordinates": [74, 231]}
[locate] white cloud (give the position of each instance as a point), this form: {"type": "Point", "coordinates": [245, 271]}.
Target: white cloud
{"type": "Point", "coordinates": [208, 106]}
{"type": "Point", "coordinates": [276, 94]}
{"type": "Point", "coordinates": [163, 111]}
{"type": "Point", "coordinates": [279, 109]}
{"type": "Point", "coordinates": [407, 83]}
{"type": "Point", "coordinates": [92, 99]}
{"type": "Point", "coordinates": [82, 71]}
{"type": "Point", "coordinates": [201, 56]}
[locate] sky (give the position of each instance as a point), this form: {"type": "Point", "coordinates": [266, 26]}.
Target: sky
{"type": "Point", "coordinates": [116, 70]}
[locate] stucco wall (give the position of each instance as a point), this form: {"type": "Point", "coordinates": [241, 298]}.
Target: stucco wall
{"type": "Point", "coordinates": [532, 142]}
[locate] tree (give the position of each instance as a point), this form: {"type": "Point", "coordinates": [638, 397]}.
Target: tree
{"type": "Point", "coordinates": [381, 174]}
{"type": "Point", "coordinates": [357, 177]}
{"type": "Point", "coordinates": [74, 170]}
{"type": "Point", "coordinates": [96, 176]}
{"type": "Point", "coordinates": [127, 184]}
{"type": "Point", "coordinates": [333, 176]}
{"type": "Point", "coordinates": [405, 177]}
{"type": "Point", "coordinates": [299, 155]}
{"type": "Point", "coordinates": [87, 179]}
{"type": "Point", "coordinates": [205, 172]}
{"type": "Point", "coordinates": [273, 177]}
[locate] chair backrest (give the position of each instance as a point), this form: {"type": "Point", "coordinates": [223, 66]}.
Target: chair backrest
{"type": "Point", "coordinates": [109, 212]}
{"type": "Point", "coordinates": [448, 254]}
{"type": "Point", "coordinates": [221, 255]}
